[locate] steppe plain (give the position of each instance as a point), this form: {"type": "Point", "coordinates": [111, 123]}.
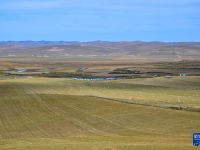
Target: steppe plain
{"type": "Point", "coordinates": [155, 104]}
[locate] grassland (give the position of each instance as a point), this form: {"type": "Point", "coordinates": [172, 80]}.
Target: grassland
{"type": "Point", "coordinates": [102, 68]}
{"type": "Point", "coordinates": [56, 113]}
{"type": "Point", "coordinates": [175, 91]}
{"type": "Point", "coordinates": [43, 113]}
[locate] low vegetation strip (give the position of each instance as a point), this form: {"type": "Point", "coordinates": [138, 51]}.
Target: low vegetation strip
{"type": "Point", "coordinates": [148, 103]}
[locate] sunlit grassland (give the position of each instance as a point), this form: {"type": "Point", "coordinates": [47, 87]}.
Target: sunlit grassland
{"type": "Point", "coordinates": [140, 142]}
{"type": "Point", "coordinates": [14, 64]}
{"type": "Point", "coordinates": [33, 119]}
{"type": "Point", "coordinates": [184, 91]}
{"type": "Point", "coordinates": [60, 57]}
{"type": "Point", "coordinates": [149, 57]}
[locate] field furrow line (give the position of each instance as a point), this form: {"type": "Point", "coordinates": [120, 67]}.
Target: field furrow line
{"type": "Point", "coordinates": [23, 116]}
{"type": "Point", "coordinates": [50, 111]}
{"type": "Point", "coordinates": [8, 121]}
{"type": "Point", "coordinates": [2, 127]}
{"type": "Point", "coordinates": [111, 120]}
{"type": "Point", "coordinates": [89, 114]}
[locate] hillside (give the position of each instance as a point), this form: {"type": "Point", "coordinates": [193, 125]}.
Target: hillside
{"type": "Point", "coordinates": [137, 49]}
{"type": "Point", "coordinates": [11, 46]}
{"type": "Point", "coordinates": [57, 121]}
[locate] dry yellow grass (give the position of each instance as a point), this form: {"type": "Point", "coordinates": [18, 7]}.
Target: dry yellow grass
{"type": "Point", "coordinates": [39, 114]}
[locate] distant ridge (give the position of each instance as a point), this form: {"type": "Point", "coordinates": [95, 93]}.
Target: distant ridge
{"type": "Point", "coordinates": [43, 42]}
{"type": "Point", "coordinates": [100, 48]}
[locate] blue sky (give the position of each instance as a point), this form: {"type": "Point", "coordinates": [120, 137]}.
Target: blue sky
{"type": "Point", "coordinates": [108, 20]}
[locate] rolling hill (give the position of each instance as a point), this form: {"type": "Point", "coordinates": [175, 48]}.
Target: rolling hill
{"type": "Point", "coordinates": [144, 49]}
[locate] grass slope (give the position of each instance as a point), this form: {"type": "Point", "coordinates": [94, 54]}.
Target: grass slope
{"type": "Point", "coordinates": [182, 91]}
{"type": "Point", "coordinates": [60, 121]}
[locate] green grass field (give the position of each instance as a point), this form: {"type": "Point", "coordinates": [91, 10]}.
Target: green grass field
{"type": "Point", "coordinates": [184, 91]}
{"type": "Point", "coordinates": [43, 113]}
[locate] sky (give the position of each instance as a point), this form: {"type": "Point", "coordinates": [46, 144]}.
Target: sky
{"type": "Point", "coordinates": [106, 20]}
